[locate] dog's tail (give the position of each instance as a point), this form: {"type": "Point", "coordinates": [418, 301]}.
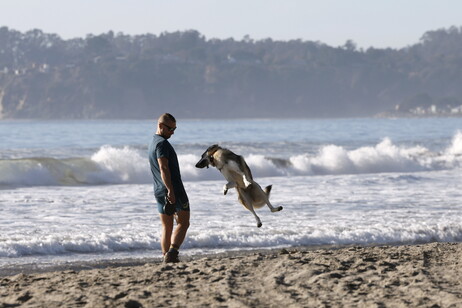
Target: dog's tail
{"type": "Point", "coordinates": [268, 190]}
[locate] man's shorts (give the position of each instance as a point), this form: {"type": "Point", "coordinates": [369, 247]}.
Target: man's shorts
{"type": "Point", "coordinates": [179, 206]}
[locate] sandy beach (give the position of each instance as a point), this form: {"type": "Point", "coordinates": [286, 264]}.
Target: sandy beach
{"type": "Point", "coordinates": [427, 275]}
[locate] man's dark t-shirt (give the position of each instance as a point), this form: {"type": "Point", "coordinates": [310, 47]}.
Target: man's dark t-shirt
{"type": "Point", "coordinates": [160, 147]}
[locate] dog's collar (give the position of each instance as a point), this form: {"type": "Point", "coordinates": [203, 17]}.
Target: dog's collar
{"type": "Point", "coordinates": [212, 162]}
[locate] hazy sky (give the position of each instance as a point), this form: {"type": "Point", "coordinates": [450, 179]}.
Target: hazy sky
{"type": "Point", "coordinates": [377, 23]}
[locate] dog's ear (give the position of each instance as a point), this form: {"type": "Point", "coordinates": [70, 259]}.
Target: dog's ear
{"type": "Point", "coordinates": [212, 148]}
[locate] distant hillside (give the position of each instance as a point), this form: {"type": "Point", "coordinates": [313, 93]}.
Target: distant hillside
{"type": "Point", "coordinates": [122, 76]}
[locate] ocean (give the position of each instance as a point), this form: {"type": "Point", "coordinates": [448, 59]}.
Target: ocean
{"type": "Point", "coordinates": [77, 191]}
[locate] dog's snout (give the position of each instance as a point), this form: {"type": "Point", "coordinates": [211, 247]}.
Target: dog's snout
{"type": "Point", "coordinates": [202, 163]}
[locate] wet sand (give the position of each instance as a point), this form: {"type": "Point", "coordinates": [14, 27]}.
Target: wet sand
{"type": "Point", "coordinates": [428, 275]}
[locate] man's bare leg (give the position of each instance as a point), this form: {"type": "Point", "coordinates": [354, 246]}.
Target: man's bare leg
{"type": "Point", "coordinates": [167, 228]}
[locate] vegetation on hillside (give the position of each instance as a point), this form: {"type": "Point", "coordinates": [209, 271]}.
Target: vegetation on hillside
{"type": "Point", "coordinates": [122, 76]}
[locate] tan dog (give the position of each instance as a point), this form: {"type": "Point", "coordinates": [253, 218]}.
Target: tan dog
{"type": "Point", "coordinates": [237, 173]}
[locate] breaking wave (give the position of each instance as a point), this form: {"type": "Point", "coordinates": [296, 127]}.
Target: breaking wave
{"type": "Point", "coordinates": [123, 240]}
{"type": "Point", "coordinates": [127, 165]}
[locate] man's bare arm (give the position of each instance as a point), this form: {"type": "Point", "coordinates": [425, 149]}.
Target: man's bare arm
{"type": "Point", "coordinates": [166, 178]}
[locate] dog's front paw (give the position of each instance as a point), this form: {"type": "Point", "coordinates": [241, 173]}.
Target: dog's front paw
{"type": "Point", "coordinates": [259, 225]}
{"type": "Point", "coordinates": [225, 190]}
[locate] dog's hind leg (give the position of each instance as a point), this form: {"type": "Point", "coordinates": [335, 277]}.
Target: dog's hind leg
{"type": "Point", "coordinates": [251, 209]}
{"type": "Point", "coordinates": [274, 209]}
{"type": "Point", "coordinates": [247, 202]}
{"type": "Point", "coordinates": [271, 207]}
{"type": "Point", "coordinates": [259, 224]}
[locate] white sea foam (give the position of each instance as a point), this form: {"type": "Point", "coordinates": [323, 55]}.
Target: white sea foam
{"type": "Point", "coordinates": [82, 242]}
{"type": "Point", "coordinates": [125, 165]}
{"type": "Point", "coordinates": [112, 165]}
{"type": "Point", "coordinates": [338, 181]}
{"type": "Point", "coordinates": [106, 220]}
{"type": "Point", "coordinates": [384, 157]}
{"type": "Point", "coordinates": [456, 145]}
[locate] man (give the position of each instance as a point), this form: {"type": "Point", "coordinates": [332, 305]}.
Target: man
{"type": "Point", "coordinates": [168, 187]}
